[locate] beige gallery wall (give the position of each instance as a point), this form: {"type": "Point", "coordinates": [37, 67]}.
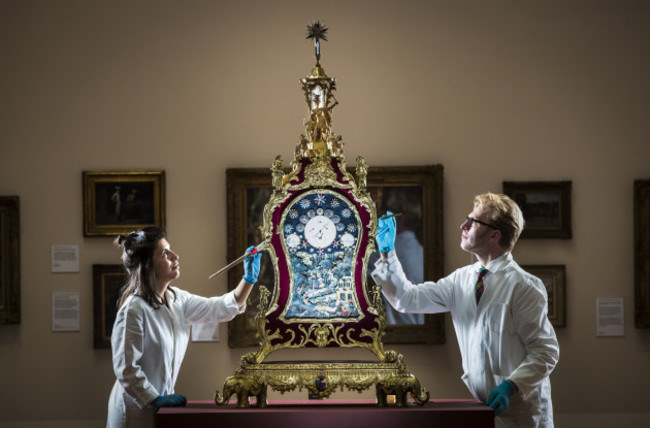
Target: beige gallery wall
{"type": "Point", "coordinates": [492, 90]}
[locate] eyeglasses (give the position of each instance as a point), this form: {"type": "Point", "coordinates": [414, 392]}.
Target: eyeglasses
{"type": "Point", "coordinates": [470, 221]}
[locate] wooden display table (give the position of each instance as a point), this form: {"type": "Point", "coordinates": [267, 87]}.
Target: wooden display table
{"type": "Point", "coordinates": [359, 413]}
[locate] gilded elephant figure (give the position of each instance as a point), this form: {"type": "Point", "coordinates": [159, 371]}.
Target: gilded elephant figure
{"type": "Point", "coordinates": [245, 387]}
{"type": "Point", "coordinates": [400, 386]}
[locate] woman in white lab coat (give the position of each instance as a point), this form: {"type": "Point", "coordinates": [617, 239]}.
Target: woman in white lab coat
{"type": "Point", "coordinates": [152, 326]}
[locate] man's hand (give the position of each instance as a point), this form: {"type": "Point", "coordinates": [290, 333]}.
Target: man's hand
{"type": "Point", "coordinates": [499, 398]}
{"type": "Point", "coordinates": [386, 229]}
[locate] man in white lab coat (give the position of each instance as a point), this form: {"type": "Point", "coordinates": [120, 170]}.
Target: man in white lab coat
{"type": "Point", "coordinates": [499, 311]}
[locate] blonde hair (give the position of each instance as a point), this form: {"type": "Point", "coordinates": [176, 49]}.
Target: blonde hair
{"type": "Point", "coordinates": [504, 214]}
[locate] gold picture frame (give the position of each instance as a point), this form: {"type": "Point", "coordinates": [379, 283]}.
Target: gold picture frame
{"type": "Point", "coordinates": [642, 253]}
{"type": "Point", "coordinates": [118, 202]}
{"type": "Point", "coordinates": [554, 279]}
{"type": "Point", "coordinates": [9, 260]}
{"type": "Point", "coordinates": [248, 191]}
{"type": "Point", "coordinates": [107, 284]}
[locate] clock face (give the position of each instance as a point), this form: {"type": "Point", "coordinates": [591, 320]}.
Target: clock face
{"type": "Point", "coordinates": [320, 222]}
{"type": "Point", "coordinates": [320, 232]}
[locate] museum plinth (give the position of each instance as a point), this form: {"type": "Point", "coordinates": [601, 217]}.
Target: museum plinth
{"type": "Point", "coordinates": [327, 414]}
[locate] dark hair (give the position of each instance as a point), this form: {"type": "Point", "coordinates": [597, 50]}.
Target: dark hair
{"type": "Point", "coordinates": [137, 258]}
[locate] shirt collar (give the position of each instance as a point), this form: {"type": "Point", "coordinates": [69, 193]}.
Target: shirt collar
{"type": "Point", "coordinates": [497, 263]}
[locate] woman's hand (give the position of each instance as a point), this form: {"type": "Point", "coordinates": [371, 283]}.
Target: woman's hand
{"type": "Point", "coordinates": [252, 266]}
{"type": "Point", "coordinates": [172, 400]}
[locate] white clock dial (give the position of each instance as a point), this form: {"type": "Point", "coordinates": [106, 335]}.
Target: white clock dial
{"type": "Point", "coordinates": [293, 241]}
{"type": "Point", "coordinates": [320, 231]}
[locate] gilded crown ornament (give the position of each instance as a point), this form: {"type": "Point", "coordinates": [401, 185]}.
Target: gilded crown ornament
{"type": "Point", "coordinates": [319, 139]}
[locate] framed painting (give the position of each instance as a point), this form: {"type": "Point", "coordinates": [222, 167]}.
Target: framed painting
{"type": "Point", "coordinates": [642, 253]}
{"type": "Point", "coordinates": [118, 202]}
{"type": "Point", "coordinates": [546, 206]}
{"type": "Point", "coordinates": [9, 260]}
{"type": "Point", "coordinates": [107, 284]}
{"type": "Point", "coordinates": [554, 279]}
{"type": "Point", "coordinates": [414, 191]}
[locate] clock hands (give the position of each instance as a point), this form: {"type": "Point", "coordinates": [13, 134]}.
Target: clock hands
{"type": "Point", "coordinates": [318, 231]}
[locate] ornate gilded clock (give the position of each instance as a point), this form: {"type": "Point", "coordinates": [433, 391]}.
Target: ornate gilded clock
{"type": "Point", "coordinates": [319, 227]}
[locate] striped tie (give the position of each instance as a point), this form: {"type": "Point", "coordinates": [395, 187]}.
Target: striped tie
{"type": "Point", "coordinates": [479, 284]}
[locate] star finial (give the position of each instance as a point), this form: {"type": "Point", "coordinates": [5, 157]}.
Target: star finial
{"type": "Point", "coordinates": [317, 31]}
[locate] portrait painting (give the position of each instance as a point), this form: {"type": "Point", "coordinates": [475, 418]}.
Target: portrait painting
{"type": "Point", "coordinates": [118, 202]}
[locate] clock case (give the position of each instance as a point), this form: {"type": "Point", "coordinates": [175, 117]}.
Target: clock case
{"type": "Point", "coordinates": [321, 176]}
{"type": "Point", "coordinates": [347, 312]}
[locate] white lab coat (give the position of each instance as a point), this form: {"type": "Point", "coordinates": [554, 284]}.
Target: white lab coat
{"type": "Point", "coordinates": [408, 246]}
{"type": "Point", "coordinates": [506, 336]}
{"type": "Point", "coordinates": [148, 347]}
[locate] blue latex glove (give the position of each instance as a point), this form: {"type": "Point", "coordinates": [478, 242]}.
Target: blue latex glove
{"type": "Point", "coordinates": [499, 398]}
{"type": "Point", "coordinates": [386, 229]}
{"type": "Point", "coordinates": [252, 266]}
{"type": "Point", "coordinates": [172, 400]}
